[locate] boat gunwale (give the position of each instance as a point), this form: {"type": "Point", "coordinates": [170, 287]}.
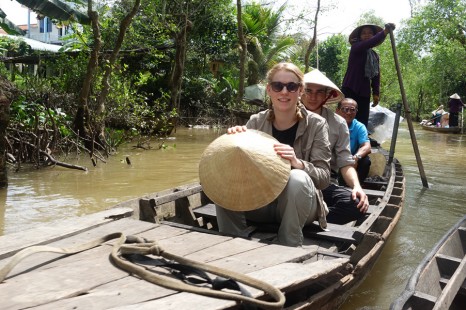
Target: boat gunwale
{"type": "Point", "coordinates": [441, 129]}
{"type": "Point", "coordinates": [410, 289]}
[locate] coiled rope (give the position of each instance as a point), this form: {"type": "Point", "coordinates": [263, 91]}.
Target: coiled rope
{"type": "Point", "coordinates": [127, 245]}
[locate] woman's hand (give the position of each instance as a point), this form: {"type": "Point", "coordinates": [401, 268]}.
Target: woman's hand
{"type": "Point", "coordinates": [236, 129]}
{"type": "Point", "coordinates": [388, 27]}
{"type": "Point", "coordinates": [287, 152]}
{"type": "Point", "coordinates": [375, 100]}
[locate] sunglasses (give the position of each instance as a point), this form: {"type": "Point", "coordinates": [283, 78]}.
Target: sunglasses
{"type": "Point", "coordinates": [292, 87]}
{"type": "Point", "coordinates": [348, 110]}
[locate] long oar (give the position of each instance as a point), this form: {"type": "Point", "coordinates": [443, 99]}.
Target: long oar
{"type": "Point", "coordinates": [462, 109]}
{"type": "Point", "coordinates": [408, 114]}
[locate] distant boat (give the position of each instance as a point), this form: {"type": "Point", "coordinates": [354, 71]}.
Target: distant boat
{"type": "Point", "coordinates": [441, 129]}
{"type": "Point", "coordinates": [439, 280]}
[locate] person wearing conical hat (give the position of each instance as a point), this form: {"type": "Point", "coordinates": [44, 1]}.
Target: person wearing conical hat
{"type": "Point", "coordinates": [362, 75]}
{"type": "Point", "coordinates": [455, 105]}
{"type": "Point", "coordinates": [303, 142]}
{"type": "Point", "coordinates": [344, 205]}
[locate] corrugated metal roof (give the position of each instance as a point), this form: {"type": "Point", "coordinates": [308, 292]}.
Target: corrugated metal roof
{"type": "Point", "coordinates": [56, 9]}
{"type": "Point", "coordinates": [8, 26]}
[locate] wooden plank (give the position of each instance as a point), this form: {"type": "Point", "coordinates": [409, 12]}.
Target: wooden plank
{"type": "Point", "coordinates": [185, 213]}
{"type": "Point", "coordinates": [340, 233]}
{"type": "Point", "coordinates": [225, 249]}
{"type": "Point", "coordinates": [147, 211]}
{"type": "Point", "coordinates": [286, 276]}
{"type": "Point", "coordinates": [15, 242]}
{"type": "Point", "coordinates": [370, 220]}
{"type": "Point", "coordinates": [374, 193]}
{"type": "Point", "coordinates": [120, 293]}
{"type": "Point", "coordinates": [263, 257]}
{"type": "Point", "coordinates": [444, 281]}
{"type": "Point", "coordinates": [70, 276]}
{"type": "Point", "coordinates": [187, 243]}
{"type": "Point", "coordinates": [127, 225]}
{"type": "Point", "coordinates": [207, 211]}
{"type": "Point", "coordinates": [177, 194]}
{"type": "Point", "coordinates": [451, 289]}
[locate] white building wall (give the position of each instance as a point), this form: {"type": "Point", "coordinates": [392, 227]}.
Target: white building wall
{"type": "Point", "coordinates": [52, 37]}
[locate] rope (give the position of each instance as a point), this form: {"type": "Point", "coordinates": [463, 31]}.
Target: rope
{"type": "Point", "coordinates": [127, 245]}
{"type": "Point", "coordinates": [5, 270]}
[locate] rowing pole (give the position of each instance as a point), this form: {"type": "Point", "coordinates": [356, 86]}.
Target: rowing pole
{"type": "Point", "coordinates": [408, 113]}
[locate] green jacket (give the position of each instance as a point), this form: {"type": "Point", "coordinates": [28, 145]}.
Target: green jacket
{"type": "Point", "coordinates": [311, 145]}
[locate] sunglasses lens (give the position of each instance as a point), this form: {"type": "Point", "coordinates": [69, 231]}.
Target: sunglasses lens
{"type": "Point", "coordinates": [278, 86]}
{"type": "Point", "coordinates": [348, 110]}
{"type": "Point", "coordinates": [292, 87]}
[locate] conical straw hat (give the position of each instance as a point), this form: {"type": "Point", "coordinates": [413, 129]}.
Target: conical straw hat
{"type": "Point", "coordinates": [354, 35]}
{"type": "Point", "coordinates": [242, 171]}
{"type": "Point", "coordinates": [378, 163]}
{"type": "Point", "coordinates": [317, 77]}
{"type": "Point", "coordinates": [455, 96]}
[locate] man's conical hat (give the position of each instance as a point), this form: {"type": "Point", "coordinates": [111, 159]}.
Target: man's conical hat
{"type": "Point", "coordinates": [317, 77]}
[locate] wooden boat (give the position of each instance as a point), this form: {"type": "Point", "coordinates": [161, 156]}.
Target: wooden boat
{"type": "Point", "coordinates": [441, 129]}
{"type": "Point", "coordinates": [319, 275]}
{"type": "Point", "coordinates": [439, 280]}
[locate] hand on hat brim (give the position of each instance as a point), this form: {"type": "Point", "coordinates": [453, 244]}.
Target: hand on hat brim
{"type": "Point", "coordinates": [236, 129]}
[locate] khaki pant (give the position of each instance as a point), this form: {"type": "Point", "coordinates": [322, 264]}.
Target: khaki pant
{"type": "Point", "coordinates": [295, 207]}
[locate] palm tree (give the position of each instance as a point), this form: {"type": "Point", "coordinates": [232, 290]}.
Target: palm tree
{"type": "Point", "coordinates": [265, 47]}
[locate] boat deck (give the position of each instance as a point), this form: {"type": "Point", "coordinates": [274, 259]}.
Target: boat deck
{"type": "Point", "coordinates": [319, 275]}
{"type": "Point", "coordinates": [88, 280]}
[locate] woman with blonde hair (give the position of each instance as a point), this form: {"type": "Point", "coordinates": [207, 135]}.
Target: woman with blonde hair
{"type": "Point", "coordinates": [303, 141]}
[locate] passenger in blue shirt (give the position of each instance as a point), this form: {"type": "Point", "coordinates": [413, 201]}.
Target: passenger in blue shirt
{"type": "Point", "coordinates": [359, 140]}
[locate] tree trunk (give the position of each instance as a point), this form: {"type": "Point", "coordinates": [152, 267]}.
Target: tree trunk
{"type": "Point", "coordinates": [312, 44]}
{"type": "Point", "coordinates": [100, 111]}
{"type": "Point", "coordinates": [243, 52]}
{"type": "Point", "coordinates": [178, 67]}
{"type": "Point", "coordinates": [82, 121]}
{"type": "Point", "coordinates": [7, 95]}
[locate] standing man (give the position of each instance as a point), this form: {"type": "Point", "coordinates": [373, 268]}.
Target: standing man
{"type": "Point", "coordinates": [455, 106]}
{"type": "Point", "coordinates": [345, 205]}
{"type": "Point", "coordinates": [360, 145]}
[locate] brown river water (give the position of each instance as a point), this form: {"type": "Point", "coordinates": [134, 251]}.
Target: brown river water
{"type": "Point", "coordinates": [39, 197]}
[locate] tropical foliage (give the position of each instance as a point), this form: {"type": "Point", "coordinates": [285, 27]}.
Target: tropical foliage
{"type": "Point", "coordinates": [180, 60]}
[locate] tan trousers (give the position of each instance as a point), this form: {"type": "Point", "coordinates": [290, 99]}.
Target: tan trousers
{"type": "Point", "coordinates": [295, 207]}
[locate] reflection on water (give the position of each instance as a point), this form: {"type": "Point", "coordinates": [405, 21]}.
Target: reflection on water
{"type": "Point", "coordinates": [40, 196]}
{"type": "Point", "coordinates": [426, 217]}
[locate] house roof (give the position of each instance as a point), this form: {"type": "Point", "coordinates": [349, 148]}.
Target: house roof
{"type": "Point", "coordinates": [34, 44]}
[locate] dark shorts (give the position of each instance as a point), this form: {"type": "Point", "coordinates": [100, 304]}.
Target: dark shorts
{"type": "Point", "coordinates": [342, 208]}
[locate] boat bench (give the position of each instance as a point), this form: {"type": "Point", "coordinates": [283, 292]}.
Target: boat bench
{"type": "Point", "coordinates": [335, 232]}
